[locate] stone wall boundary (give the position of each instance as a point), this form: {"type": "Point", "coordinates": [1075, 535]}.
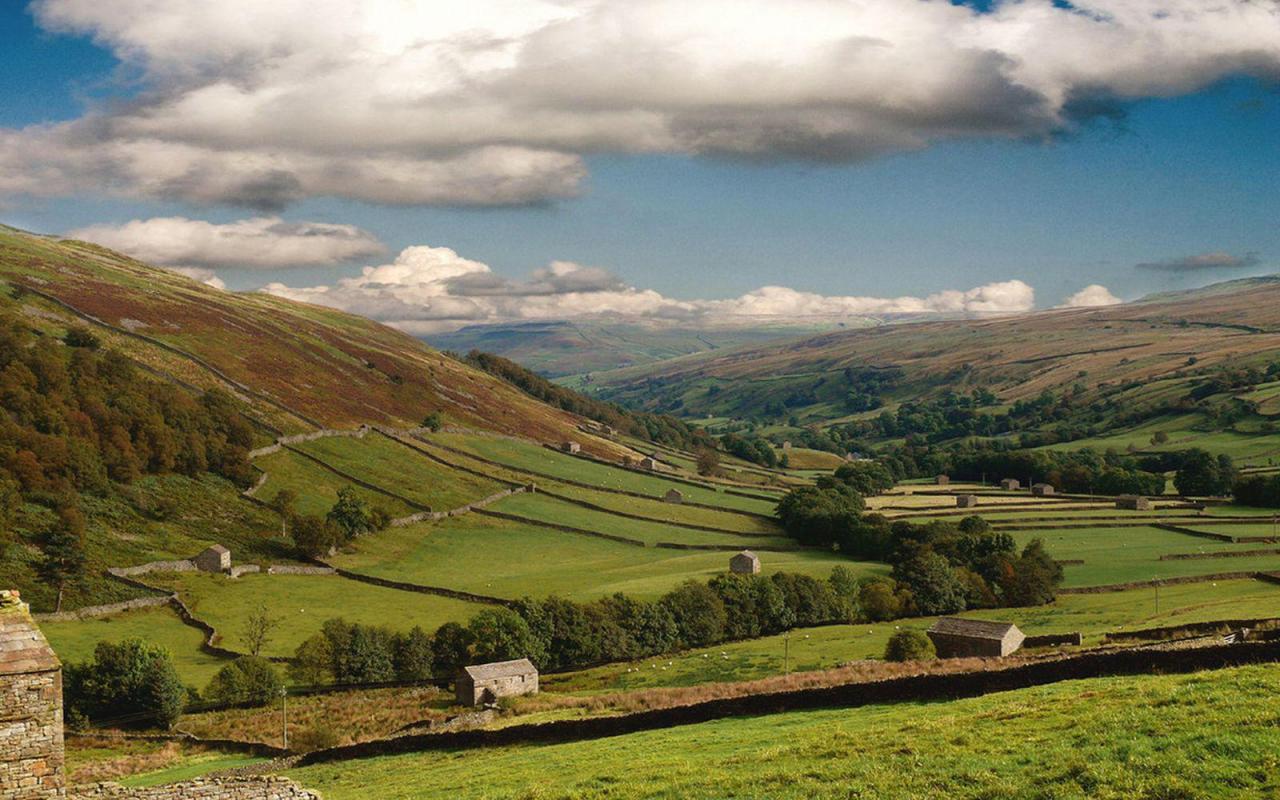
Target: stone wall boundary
{"type": "Point", "coordinates": [726, 487]}
{"type": "Point", "coordinates": [1221, 537]}
{"type": "Point", "coordinates": [629, 515]}
{"type": "Point", "coordinates": [357, 481]}
{"type": "Point", "coordinates": [1266, 551]}
{"type": "Point", "coordinates": [107, 610]}
{"type": "Point", "coordinates": [555, 526]}
{"type": "Point", "coordinates": [420, 588]}
{"type": "Point", "coordinates": [1129, 661]}
{"type": "Point", "coordinates": [264, 787]}
{"type": "Point", "coordinates": [1122, 587]}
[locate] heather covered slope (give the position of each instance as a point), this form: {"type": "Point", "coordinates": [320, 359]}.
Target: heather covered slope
{"type": "Point", "coordinates": [1174, 338]}
{"type": "Point", "coordinates": [298, 366]}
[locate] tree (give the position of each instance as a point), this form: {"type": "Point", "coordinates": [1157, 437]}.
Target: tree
{"type": "Point", "coordinates": [909, 645]}
{"type": "Point", "coordinates": [248, 679]}
{"type": "Point", "coordinates": [1159, 437]}
{"type": "Point", "coordinates": [131, 683]}
{"type": "Point", "coordinates": [433, 421]}
{"type": "Point", "coordinates": [500, 634]}
{"type": "Point", "coordinates": [413, 655]}
{"type": "Point", "coordinates": [80, 336]}
{"type": "Point", "coordinates": [312, 662]}
{"type": "Point", "coordinates": [283, 503]}
{"type": "Point", "coordinates": [708, 461]}
{"type": "Point", "coordinates": [314, 536]}
{"type": "Point", "coordinates": [10, 504]}
{"type": "Point", "coordinates": [350, 514]}
{"type": "Point", "coordinates": [258, 628]}
{"type": "Point", "coordinates": [1033, 579]}
{"type": "Point", "coordinates": [698, 613]}
{"type": "Point", "coordinates": [450, 649]}
{"type": "Point", "coordinates": [878, 601]}
{"type": "Point", "coordinates": [1202, 475]}
{"type": "Point", "coordinates": [867, 478]}
{"type": "Point", "coordinates": [933, 584]}
{"type": "Point", "coordinates": [64, 558]}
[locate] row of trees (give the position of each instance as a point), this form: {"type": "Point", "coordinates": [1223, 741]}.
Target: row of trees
{"type": "Point", "coordinates": [1261, 491]}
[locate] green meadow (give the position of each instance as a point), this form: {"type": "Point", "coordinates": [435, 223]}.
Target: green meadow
{"type": "Point", "coordinates": [507, 559]}
{"type": "Point", "coordinates": [316, 487]}
{"type": "Point", "coordinates": [1206, 735]}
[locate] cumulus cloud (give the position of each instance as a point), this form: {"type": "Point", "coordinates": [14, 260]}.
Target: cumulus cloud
{"type": "Point", "coordinates": [497, 101]}
{"type": "Point", "coordinates": [206, 276]}
{"type": "Point", "coordinates": [1092, 296]}
{"type": "Point", "coordinates": [257, 243]}
{"type": "Point", "coordinates": [1204, 261]}
{"type": "Point", "coordinates": [434, 288]}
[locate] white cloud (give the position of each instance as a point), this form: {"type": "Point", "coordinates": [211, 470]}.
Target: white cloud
{"type": "Point", "coordinates": [496, 101]}
{"type": "Point", "coordinates": [434, 288]}
{"type": "Point", "coordinates": [258, 243]}
{"type": "Point", "coordinates": [206, 276]}
{"type": "Point", "coordinates": [1092, 296]}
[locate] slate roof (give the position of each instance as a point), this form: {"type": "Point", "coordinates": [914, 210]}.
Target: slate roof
{"type": "Point", "coordinates": [500, 669]}
{"type": "Point", "coordinates": [217, 548]}
{"type": "Point", "coordinates": [972, 628]}
{"type": "Point", "coordinates": [748, 554]}
{"type": "Point", "coordinates": [23, 648]}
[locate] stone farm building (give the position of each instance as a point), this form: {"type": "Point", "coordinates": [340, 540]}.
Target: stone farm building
{"type": "Point", "coordinates": [31, 754]}
{"type": "Point", "coordinates": [956, 637]}
{"type": "Point", "coordinates": [1133, 502]}
{"type": "Point", "coordinates": [1011, 484]}
{"type": "Point", "coordinates": [673, 496]}
{"type": "Point", "coordinates": [745, 563]}
{"type": "Point", "coordinates": [942, 480]}
{"type": "Point", "coordinates": [571, 447]}
{"type": "Point", "coordinates": [1042, 489]}
{"type": "Point", "coordinates": [966, 501]}
{"type": "Point", "coordinates": [214, 559]}
{"type": "Point", "coordinates": [483, 684]}
{"type": "Point", "coordinates": [649, 462]}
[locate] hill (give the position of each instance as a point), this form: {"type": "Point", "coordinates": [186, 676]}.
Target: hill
{"type": "Point", "coordinates": [297, 367]}
{"type": "Point", "coordinates": [1093, 370]}
{"type": "Point", "coordinates": [559, 348]}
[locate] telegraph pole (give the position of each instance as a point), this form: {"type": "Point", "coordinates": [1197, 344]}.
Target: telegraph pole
{"type": "Point", "coordinates": [786, 654]}
{"type": "Point", "coordinates": [284, 716]}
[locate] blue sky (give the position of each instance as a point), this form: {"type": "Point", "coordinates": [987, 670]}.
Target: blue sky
{"type": "Point", "coordinates": [1167, 178]}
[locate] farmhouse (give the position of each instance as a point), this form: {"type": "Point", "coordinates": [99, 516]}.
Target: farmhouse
{"type": "Point", "coordinates": [1133, 502]}
{"type": "Point", "coordinates": [31, 754]}
{"type": "Point", "coordinates": [673, 496]}
{"type": "Point", "coordinates": [786, 445]}
{"type": "Point", "coordinates": [571, 447]}
{"type": "Point", "coordinates": [955, 637]}
{"type": "Point", "coordinates": [966, 500]}
{"type": "Point", "coordinates": [1011, 484]}
{"type": "Point", "coordinates": [745, 563]}
{"type": "Point", "coordinates": [1042, 489]}
{"type": "Point", "coordinates": [214, 559]}
{"type": "Point", "coordinates": [483, 684]}
{"type": "Point", "coordinates": [942, 480]}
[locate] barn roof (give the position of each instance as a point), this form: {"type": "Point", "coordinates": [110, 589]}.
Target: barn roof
{"type": "Point", "coordinates": [500, 669]}
{"type": "Point", "coordinates": [972, 628]}
{"type": "Point", "coordinates": [216, 548]}
{"type": "Point", "coordinates": [23, 647]}
{"type": "Point", "coordinates": [746, 554]}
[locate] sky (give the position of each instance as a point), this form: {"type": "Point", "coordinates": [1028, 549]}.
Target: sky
{"type": "Point", "coordinates": [433, 164]}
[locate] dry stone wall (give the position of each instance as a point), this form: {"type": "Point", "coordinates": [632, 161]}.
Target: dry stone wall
{"type": "Point", "coordinates": [92, 612]}
{"type": "Point", "coordinates": [248, 788]}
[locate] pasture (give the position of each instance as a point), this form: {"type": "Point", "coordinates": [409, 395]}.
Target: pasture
{"type": "Point", "coordinates": [1064, 740]}
{"type": "Point", "coordinates": [508, 559]}
{"type": "Point", "coordinates": [316, 487]}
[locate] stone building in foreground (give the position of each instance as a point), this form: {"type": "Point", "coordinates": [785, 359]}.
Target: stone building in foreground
{"type": "Point", "coordinates": [31, 752]}
{"type": "Point", "coordinates": [960, 637]}
{"type": "Point", "coordinates": [483, 684]}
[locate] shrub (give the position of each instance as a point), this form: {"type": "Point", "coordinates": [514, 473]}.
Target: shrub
{"type": "Point", "coordinates": [909, 645]}
{"type": "Point", "coordinates": [248, 679]}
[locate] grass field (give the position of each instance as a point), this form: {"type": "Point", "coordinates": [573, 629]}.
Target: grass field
{"type": "Point", "coordinates": [831, 645]}
{"type": "Point", "coordinates": [317, 487]}
{"type": "Point", "coordinates": [510, 560]}
{"type": "Point", "coordinates": [1206, 735]}
{"type": "Point", "coordinates": [520, 455]}
{"type": "Point", "coordinates": [302, 603]}
{"type": "Point", "coordinates": [1120, 555]}
{"type": "Point", "coordinates": [396, 468]}
{"type": "Point", "coordinates": [74, 641]}
{"type": "Point", "coordinates": [548, 509]}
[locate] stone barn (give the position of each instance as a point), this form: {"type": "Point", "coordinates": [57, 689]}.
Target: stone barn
{"type": "Point", "coordinates": [966, 501]}
{"type": "Point", "coordinates": [572, 448]}
{"type": "Point", "coordinates": [649, 462]}
{"type": "Point", "coordinates": [1133, 502]}
{"type": "Point", "coordinates": [745, 563]}
{"type": "Point", "coordinates": [942, 480]}
{"type": "Point", "coordinates": [956, 637]}
{"type": "Point", "coordinates": [31, 753]}
{"type": "Point", "coordinates": [1043, 490]}
{"type": "Point", "coordinates": [673, 496]}
{"type": "Point", "coordinates": [483, 684]}
{"type": "Point", "coordinates": [214, 559]}
{"type": "Point", "coordinates": [1011, 484]}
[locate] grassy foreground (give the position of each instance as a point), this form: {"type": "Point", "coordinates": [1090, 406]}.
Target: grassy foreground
{"type": "Point", "coordinates": [1207, 735]}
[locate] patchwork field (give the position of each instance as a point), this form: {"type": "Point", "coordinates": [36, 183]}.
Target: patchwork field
{"type": "Point", "coordinates": [538, 460]}
{"type": "Point", "coordinates": [316, 487]}
{"type": "Point", "coordinates": [1072, 739]}
{"type": "Point", "coordinates": [509, 560]}
{"type": "Point", "coordinates": [302, 603]}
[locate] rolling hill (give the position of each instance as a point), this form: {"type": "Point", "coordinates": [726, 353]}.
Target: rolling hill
{"type": "Point", "coordinates": [1147, 354]}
